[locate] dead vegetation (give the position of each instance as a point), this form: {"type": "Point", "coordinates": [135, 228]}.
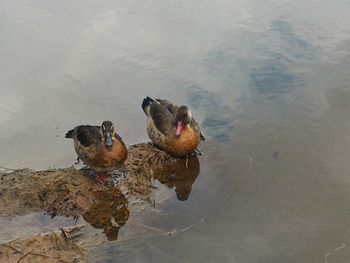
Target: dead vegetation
{"type": "Point", "coordinates": [49, 247]}
{"type": "Point", "coordinates": [71, 192]}
{"type": "Point", "coordinates": [147, 162]}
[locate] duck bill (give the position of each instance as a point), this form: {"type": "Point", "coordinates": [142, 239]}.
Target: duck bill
{"type": "Point", "coordinates": [108, 139]}
{"type": "Point", "coordinates": [179, 128]}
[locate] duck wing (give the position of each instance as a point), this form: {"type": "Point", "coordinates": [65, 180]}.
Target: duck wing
{"type": "Point", "coordinates": [172, 108]}
{"type": "Point", "coordinates": [85, 134]}
{"type": "Point", "coordinates": [162, 118]}
{"type": "Point", "coordinates": [195, 125]}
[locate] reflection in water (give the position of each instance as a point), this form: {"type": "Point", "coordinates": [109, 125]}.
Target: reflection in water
{"type": "Point", "coordinates": [68, 192]}
{"type": "Point", "coordinates": [109, 212]}
{"type": "Point", "coordinates": [179, 175]}
{"type": "Point", "coordinates": [147, 162]}
{"type": "Point", "coordinates": [273, 77]}
{"type": "Point", "coordinates": [109, 209]}
{"type": "Point", "coordinates": [64, 192]}
{"type": "Point", "coordinates": [299, 47]}
{"type": "Point", "coordinates": [226, 58]}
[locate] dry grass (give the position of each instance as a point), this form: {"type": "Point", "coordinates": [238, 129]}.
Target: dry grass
{"type": "Point", "coordinates": [75, 193]}
{"type": "Point", "coordinates": [53, 247]}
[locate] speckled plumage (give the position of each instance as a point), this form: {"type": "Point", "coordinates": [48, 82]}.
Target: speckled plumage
{"type": "Point", "coordinates": [91, 149]}
{"type": "Point", "coordinates": [161, 125]}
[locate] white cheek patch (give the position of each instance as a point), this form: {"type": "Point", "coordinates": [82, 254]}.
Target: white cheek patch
{"type": "Point", "coordinates": [189, 114]}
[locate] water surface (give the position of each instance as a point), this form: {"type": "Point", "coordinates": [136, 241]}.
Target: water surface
{"type": "Point", "coordinates": [269, 82]}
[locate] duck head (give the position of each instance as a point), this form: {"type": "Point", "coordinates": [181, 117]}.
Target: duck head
{"type": "Point", "coordinates": [107, 131]}
{"type": "Point", "coordinates": [183, 118]}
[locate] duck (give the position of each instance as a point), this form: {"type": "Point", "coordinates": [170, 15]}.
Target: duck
{"type": "Point", "coordinates": [99, 147]}
{"type": "Point", "coordinates": [171, 127]}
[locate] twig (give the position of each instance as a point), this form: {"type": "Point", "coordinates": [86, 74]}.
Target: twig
{"type": "Point", "coordinates": [38, 254]}
{"type": "Point", "coordinates": [55, 238]}
{"type": "Point", "coordinates": [189, 227]}
{"type": "Point", "coordinates": [186, 228]}
{"type": "Point", "coordinates": [32, 253]}
{"type": "Point", "coordinates": [335, 249]}
{"type": "Point", "coordinates": [7, 245]}
{"type": "Point", "coordinates": [150, 228]}
{"type": "Point", "coordinates": [341, 247]}
{"type": "Point", "coordinates": [23, 256]}
{"type": "Point", "coordinates": [64, 234]}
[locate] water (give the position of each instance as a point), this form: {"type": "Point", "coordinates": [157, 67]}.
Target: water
{"type": "Point", "coordinates": [269, 81]}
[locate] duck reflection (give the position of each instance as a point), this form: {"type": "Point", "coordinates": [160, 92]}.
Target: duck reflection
{"type": "Point", "coordinates": [109, 212]}
{"type": "Point", "coordinates": [67, 192]}
{"type": "Point", "coordinates": [180, 175]}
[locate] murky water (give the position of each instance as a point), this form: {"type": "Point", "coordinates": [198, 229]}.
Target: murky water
{"type": "Point", "coordinates": [268, 80]}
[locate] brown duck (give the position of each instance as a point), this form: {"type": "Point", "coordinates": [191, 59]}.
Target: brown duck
{"type": "Point", "coordinates": [171, 127]}
{"type": "Point", "coordinates": [99, 147]}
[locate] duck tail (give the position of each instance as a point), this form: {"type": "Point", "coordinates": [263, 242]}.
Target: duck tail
{"type": "Point", "coordinates": [202, 137]}
{"type": "Point", "coordinates": [69, 134]}
{"type": "Point", "coordinates": [146, 103]}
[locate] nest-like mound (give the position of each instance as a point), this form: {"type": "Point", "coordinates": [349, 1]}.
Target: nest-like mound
{"type": "Point", "coordinates": [144, 155]}
{"type": "Point", "coordinates": [62, 191]}
{"type": "Point", "coordinates": [72, 192]}
{"type": "Point", "coordinates": [147, 162]}
{"type": "Point", "coordinates": [142, 160]}
{"type": "Point", "coordinates": [75, 193]}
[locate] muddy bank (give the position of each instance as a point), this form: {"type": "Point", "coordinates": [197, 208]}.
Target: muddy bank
{"type": "Point", "coordinates": [74, 193]}
{"type": "Point", "coordinates": [49, 247]}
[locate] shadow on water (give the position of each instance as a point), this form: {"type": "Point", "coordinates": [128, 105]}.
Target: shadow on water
{"type": "Point", "coordinates": [274, 76]}
{"type": "Point", "coordinates": [218, 119]}
{"type": "Point", "coordinates": [295, 44]}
